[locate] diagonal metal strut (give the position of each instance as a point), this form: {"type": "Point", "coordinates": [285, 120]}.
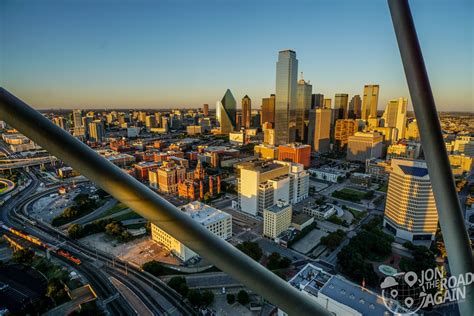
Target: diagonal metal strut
{"type": "Point", "coordinates": [450, 215]}
{"type": "Point", "coordinates": [153, 207]}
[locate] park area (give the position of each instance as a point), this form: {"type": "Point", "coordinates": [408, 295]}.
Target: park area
{"type": "Point", "coordinates": [352, 195]}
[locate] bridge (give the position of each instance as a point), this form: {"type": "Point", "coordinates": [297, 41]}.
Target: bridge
{"type": "Point", "coordinates": [10, 164]}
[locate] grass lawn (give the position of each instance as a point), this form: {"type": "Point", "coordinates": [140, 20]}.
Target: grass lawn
{"type": "Point", "coordinates": [358, 215]}
{"type": "Point", "coordinates": [383, 187]}
{"type": "Point", "coordinates": [359, 194]}
{"type": "Point", "coordinates": [129, 215]}
{"type": "Point", "coordinates": [115, 209]}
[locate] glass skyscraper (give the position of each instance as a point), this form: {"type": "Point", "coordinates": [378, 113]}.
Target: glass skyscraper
{"type": "Point", "coordinates": [225, 113]}
{"type": "Point", "coordinates": [285, 103]}
{"type": "Point", "coordinates": [303, 106]}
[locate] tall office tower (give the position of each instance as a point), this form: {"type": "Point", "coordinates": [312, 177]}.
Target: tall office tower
{"type": "Point", "coordinates": [319, 127]}
{"type": "Point", "coordinates": [77, 118]}
{"type": "Point", "coordinates": [342, 130]}
{"type": "Point", "coordinates": [141, 116]}
{"type": "Point", "coordinates": [225, 112]}
{"type": "Point", "coordinates": [363, 146]}
{"type": "Point", "coordinates": [255, 119]}
{"type": "Point", "coordinates": [327, 103]}
{"type": "Point", "coordinates": [340, 105]}
{"type": "Point", "coordinates": [238, 121]}
{"type": "Point", "coordinates": [85, 123]}
{"type": "Point", "coordinates": [96, 131]}
{"type": "Point", "coordinates": [205, 109]}
{"type": "Point", "coordinates": [158, 119]}
{"type": "Point", "coordinates": [285, 102]}
{"type": "Point", "coordinates": [150, 121]}
{"type": "Point", "coordinates": [412, 132]}
{"type": "Point", "coordinates": [317, 100]}
{"type": "Point", "coordinates": [303, 105]}
{"type": "Point", "coordinates": [246, 111]}
{"type": "Point", "coordinates": [261, 184]}
{"type": "Point", "coordinates": [354, 107]}
{"type": "Point", "coordinates": [410, 211]}
{"type": "Point", "coordinates": [396, 116]}
{"type": "Point", "coordinates": [268, 110]}
{"type": "Point", "coordinates": [295, 152]}
{"type": "Point", "coordinates": [370, 101]}
{"type": "Point", "coordinates": [61, 122]}
{"type": "Point", "coordinates": [268, 134]}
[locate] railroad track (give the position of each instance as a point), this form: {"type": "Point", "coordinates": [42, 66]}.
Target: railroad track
{"type": "Point", "coordinates": [88, 255]}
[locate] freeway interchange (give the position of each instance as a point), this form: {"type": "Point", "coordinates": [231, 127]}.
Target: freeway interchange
{"type": "Point", "coordinates": [122, 289]}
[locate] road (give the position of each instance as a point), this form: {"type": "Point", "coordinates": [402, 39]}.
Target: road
{"type": "Point", "coordinates": [92, 215]}
{"type": "Point", "coordinates": [91, 260]}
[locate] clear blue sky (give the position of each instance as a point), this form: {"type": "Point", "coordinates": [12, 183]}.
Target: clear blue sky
{"type": "Point", "coordinates": [69, 53]}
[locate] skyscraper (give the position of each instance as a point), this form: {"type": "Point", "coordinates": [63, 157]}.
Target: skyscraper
{"type": "Point", "coordinates": [285, 102]}
{"type": "Point", "coordinates": [319, 136]}
{"type": "Point", "coordinates": [354, 107]}
{"type": "Point", "coordinates": [370, 101]}
{"type": "Point", "coordinates": [303, 105]}
{"type": "Point", "coordinates": [225, 112]}
{"type": "Point", "coordinates": [410, 211]}
{"type": "Point", "coordinates": [246, 111]}
{"type": "Point", "coordinates": [340, 105]}
{"type": "Point", "coordinates": [327, 103]}
{"type": "Point", "coordinates": [396, 116]}
{"type": "Point", "coordinates": [96, 131]}
{"type": "Point", "coordinates": [205, 109]}
{"type": "Point", "coordinates": [268, 110]}
{"type": "Point", "coordinates": [317, 100]}
{"type": "Point", "coordinates": [77, 118]}
{"type": "Point", "coordinates": [362, 146]}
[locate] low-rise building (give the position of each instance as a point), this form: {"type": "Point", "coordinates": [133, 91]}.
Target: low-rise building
{"type": "Point", "coordinates": [328, 174]}
{"type": "Point", "coordinates": [217, 222]}
{"type": "Point", "coordinates": [462, 163]}
{"type": "Point", "coordinates": [300, 221]}
{"type": "Point", "coordinates": [321, 212]}
{"type": "Point", "coordinates": [361, 179]}
{"type": "Point", "coordinates": [336, 294]}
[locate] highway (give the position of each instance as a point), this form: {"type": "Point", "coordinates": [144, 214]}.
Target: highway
{"type": "Point", "coordinates": [167, 302]}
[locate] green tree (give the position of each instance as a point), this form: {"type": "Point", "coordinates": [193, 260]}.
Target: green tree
{"type": "Point", "coordinates": [153, 267]}
{"type": "Point", "coordinates": [24, 256]}
{"type": "Point", "coordinates": [251, 249]}
{"type": "Point", "coordinates": [273, 261]}
{"type": "Point", "coordinates": [194, 297]}
{"type": "Point", "coordinates": [75, 231]}
{"type": "Point", "coordinates": [207, 298]}
{"type": "Point", "coordinates": [179, 284]}
{"type": "Point", "coordinates": [230, 298]}
{"type": "Point", "coordinates": [334, 239]}
{"type": "Point", "coordinates": [243, 297]}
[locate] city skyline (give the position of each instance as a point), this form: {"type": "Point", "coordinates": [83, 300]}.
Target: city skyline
{"type": "Point", "coordinates": [163, 55]}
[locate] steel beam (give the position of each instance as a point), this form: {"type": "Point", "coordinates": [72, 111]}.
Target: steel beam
{"type": "Point", "coordinates": [155, 208]}
{"type": "Point", "coordinates": [450, 214]}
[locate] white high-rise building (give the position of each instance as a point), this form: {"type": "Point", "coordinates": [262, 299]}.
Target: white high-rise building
{"type": "Point", "coordinates": [410, 211]}
{"type": "Point", "coordinates": [395, 115]}
{"type": "Point", "coordinates": [299, 181]}
{"type": "Point", "coordinates": [217, 222]}
{"type": "Point", "coordinates": [262, 184]}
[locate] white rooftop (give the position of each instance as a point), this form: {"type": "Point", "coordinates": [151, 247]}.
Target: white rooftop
{"type": "Point", "coordinates": [203, 213]}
